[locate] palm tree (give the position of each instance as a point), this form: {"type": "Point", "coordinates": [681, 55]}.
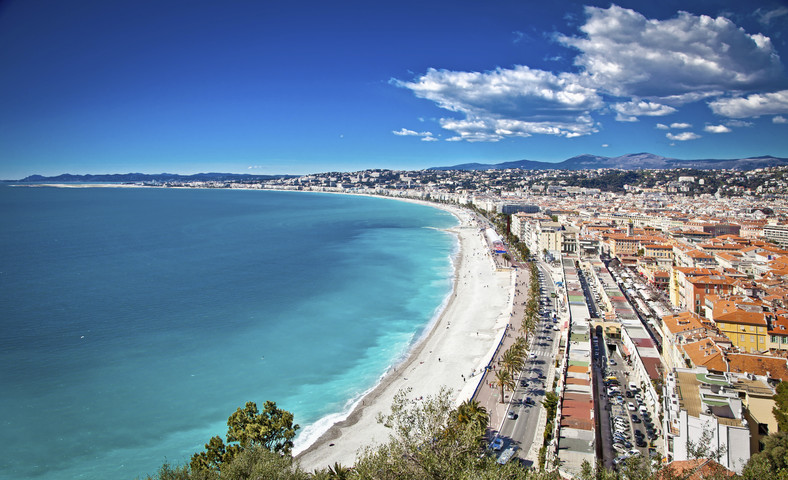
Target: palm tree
{"type": "Point", "coordinates": [512, 360]}
{"type": "Point", "coordinates": [472, 413]}
{"type": "Point", "coordinates": [338, 471]}
{"type": "Point", "coordinates": [504, 379]}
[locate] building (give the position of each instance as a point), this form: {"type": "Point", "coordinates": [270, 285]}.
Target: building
{"type": "Point", "coordinates": [702, 409]}
{"type": "Point", "coordinates": [777, 234]}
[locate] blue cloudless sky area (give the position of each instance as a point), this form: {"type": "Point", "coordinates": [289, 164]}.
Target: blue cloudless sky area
{"type": "Point", "coordinates": [314, 86]}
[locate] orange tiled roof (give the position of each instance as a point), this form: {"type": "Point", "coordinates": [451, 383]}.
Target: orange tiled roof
{"type": "Point", "coordinates": [695, 469]}
{"type": "Point", "coordinates": [706, 353]}
{"type": "Point", "coordinates": [774, 367]}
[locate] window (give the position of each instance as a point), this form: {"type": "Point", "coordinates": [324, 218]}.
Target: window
{"type": "Point", "coordinates": [741, 338]}
{"type": "Point", "coordinates": [775, 339]}
{"type": "Point", "coordinates": [752, 338]}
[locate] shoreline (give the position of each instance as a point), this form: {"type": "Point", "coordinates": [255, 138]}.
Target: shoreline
{"type": "Point", "coordinates": [452, 353]}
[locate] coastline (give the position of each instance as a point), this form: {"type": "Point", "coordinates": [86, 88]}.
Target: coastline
{"type": "Point", "coordinates": [453, 353]}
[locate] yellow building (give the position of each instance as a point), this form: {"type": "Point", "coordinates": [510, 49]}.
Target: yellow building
{"type": "Point", "coordinates": [747, 330]}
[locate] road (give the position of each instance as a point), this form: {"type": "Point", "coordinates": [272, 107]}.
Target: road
{"type": "Point", "coordinates": [522, 429]}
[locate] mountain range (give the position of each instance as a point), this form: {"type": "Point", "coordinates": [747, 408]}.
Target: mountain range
{"type": "Point", "coordinates": [630, 161]}
{"type": "Point", "coordinates": [144, 177]}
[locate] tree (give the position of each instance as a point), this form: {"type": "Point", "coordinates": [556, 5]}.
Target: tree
{"type": "Point", "coordinates": [471, 413]}
{"type": "Point", "coordinates": [247, 428]}
{"type": "Point", "coordinates": [504, 379]}
{"type": "Point", "coordinates": [512, 360]}
{"type": "Point", "coordinates": [780, 409]}
{"type": "Point", "coordinates": [272, 429]}
{"type": "Point", "coordinates": [419, 447]}
{"type": "Point", "coordinates": [772, 461]}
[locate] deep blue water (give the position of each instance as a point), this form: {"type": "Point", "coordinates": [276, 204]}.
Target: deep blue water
{"type": "Point", "coordinates": [134, 321]}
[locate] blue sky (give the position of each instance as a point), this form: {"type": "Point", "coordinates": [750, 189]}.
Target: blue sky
{"type": "Point", "coordinates": [299, 87]}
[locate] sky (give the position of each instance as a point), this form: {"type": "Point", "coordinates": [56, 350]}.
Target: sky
{"type": "Point", "coordinates": [296, 87]}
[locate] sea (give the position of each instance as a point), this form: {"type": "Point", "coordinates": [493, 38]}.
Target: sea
{"type": "Point", "coordinates": [134, 321]}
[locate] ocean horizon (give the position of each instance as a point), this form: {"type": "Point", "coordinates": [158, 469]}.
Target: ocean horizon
{"type": "Point", "coordinates": [136, 320]}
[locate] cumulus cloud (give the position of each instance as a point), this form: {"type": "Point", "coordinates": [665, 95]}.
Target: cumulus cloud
{"type": "Point", "coordinates": [779, 119]}
{"type": "Point", "coordinates": [680, 59]}
{"type": "Point", "coordinates": [680, 125]}
{"type": "Point", "coordinates": [509, 102]}
{"type": "Point", "coordinates": [628, 64]}
{"type": "Point", "coordinates": [425, 136]}
{"type": "Point", "coordinates": [717, 129]}
{"type": "Point", "coordinates": [683, 136]}
{"type": "Point", "coordinates": [629, 111]}
{"type": "Point", "coordinates": [605, 145]}
{"type": "Point", "coordinates": [754, 105]}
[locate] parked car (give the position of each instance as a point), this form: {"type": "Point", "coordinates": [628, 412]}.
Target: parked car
{"type": "Point", "coordinates": [497, 444]}
{"type": "Point", "coordinates": [631, 406]}
{"type": "Point", "coordinates": [511, 415]}
{"type": "Point", "coordinates": [635, 418]}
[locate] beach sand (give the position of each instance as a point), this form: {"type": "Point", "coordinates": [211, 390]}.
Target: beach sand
{"type": "Point", "coordinates": [453, 354]}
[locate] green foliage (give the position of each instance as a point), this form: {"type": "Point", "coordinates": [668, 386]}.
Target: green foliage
{"type": "Point", "coordinates": [780, 409]}
{"type": "Point", "coordinates": [248, 428]}
{"type": "Point", "coordinates": [772, 461]}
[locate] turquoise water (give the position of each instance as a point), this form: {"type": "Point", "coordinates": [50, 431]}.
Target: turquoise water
{"type": "Point", "coordinates": [134, 321]}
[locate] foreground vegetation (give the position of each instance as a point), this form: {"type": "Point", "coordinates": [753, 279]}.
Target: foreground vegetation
{"type": "Point", "coordinates": [429, 440]}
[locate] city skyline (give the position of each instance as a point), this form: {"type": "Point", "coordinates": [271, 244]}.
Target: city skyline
{"type": "Point", "coordinates": [280, 88]}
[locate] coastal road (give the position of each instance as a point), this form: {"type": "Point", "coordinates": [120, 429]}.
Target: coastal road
{"type": "Point", "coordinates": [526, 404]}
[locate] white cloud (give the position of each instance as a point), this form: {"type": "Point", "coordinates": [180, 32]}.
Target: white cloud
{"type": "Point", "coordinates": [429, 139]}
{"type": "Point", "coordinates": [766, 16]}
{"type": "Point", "coordinates": [779, 119]}
{"type": "Point", "coordinates": [738, 123]}
{"type": "Point", "coordinates": [680, 59]}
{"type": "Point", "coordinates": [516, 102]}
{"type": "Point", "coordinates": [683, 136]}
{"type": "Point", "coordinates": [717, 129]}
{"type": "Point", "coordinates": [680, 125]}
{"type": "Point", "coordinates": [662, 126]}
{"type": "Point", "coordinates": [629, 111]}
{"type": "Point", "coordinates": [754, 105]}
{"type": "Point", "coordinates": [404, 132]}
{"type": "Point", "coordinates": [605, 145]}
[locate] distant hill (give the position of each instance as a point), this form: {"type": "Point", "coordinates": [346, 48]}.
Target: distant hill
{"type": "Point", "coordinates": [144, 177]}
{"type": "Point", "coordinates": [630, 161]}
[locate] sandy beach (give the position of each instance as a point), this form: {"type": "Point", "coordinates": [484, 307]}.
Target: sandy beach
{"type": "Point", "coordinates": [453, 354]}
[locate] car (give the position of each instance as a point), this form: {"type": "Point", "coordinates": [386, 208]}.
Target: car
{"type": "Point", "coordinates": [613, 362]}
{"type": "Point", "coordinates": [635, 419]}
{"type": "Point", "coordinates": [523, 383]}
{"type": "Point", "coordinates": [640, 443]}
{"type": "Point", "coordinates": [629, 394]}
{"type": "Point", "coordinates": [619, 448]}
{"type": "Point", "coordinates": [631, 406]}
{"type": "Point", "coordinates": [532, 355]}
{"type": "Point", "coordinates": [529, 401]}
{"type": "Point", "coordinates": [634, 453]}
{"type": "Point", "coordinates": [639, 434]}
{"type": "Point", "coordinates": [511, 415]}
{"type": "Point", "coordinates": [497, 444]}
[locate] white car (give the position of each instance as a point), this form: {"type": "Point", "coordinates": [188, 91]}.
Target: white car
{"type": "Point", "coordinates": [631, 406]}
